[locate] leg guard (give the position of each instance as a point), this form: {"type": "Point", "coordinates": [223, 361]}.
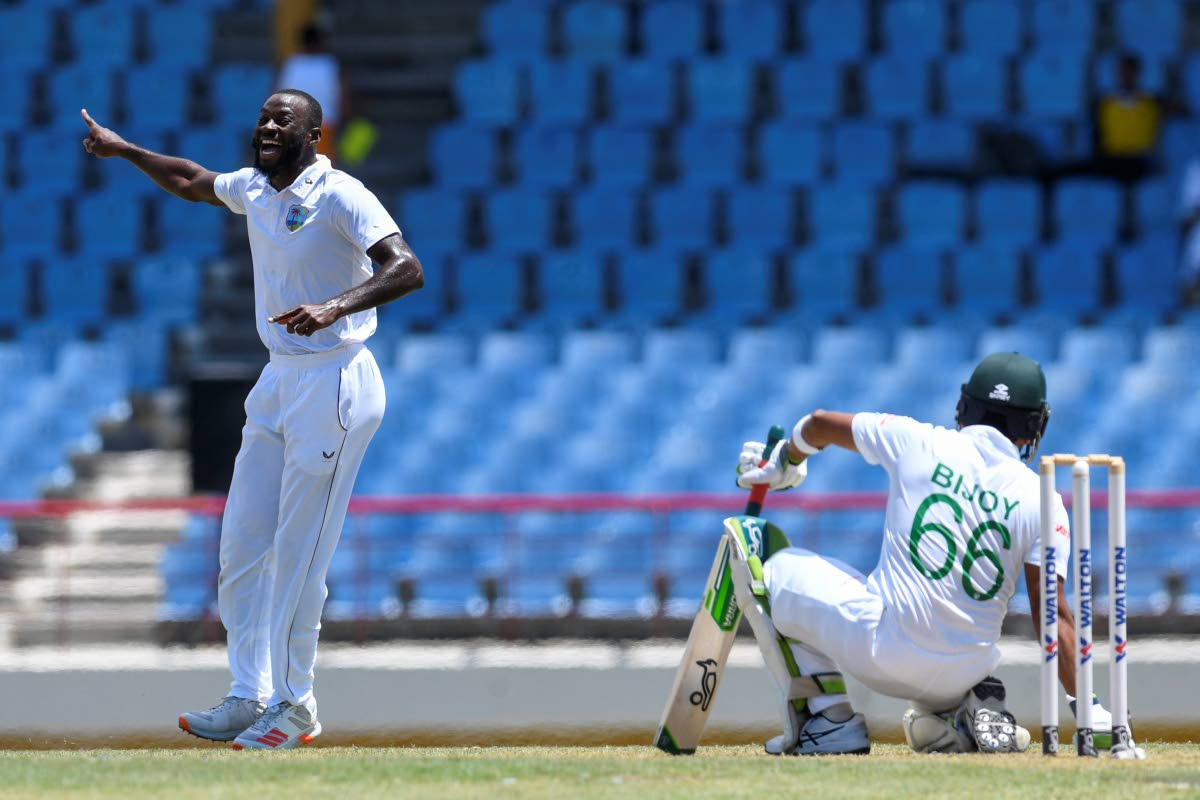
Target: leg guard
{"type": "Point", "coordinates": [752, 540]}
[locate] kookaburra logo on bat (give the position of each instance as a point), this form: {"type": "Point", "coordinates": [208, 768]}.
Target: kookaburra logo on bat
{"type": "Point", "coordinates": [708, 684]}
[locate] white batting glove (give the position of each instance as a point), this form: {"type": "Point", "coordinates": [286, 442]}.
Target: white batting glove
{"type": "Point", "coordinates": [778, 473]}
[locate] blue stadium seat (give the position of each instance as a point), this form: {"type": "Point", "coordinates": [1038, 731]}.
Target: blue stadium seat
{"type": "Point", "coordinates": [1008, 212]}
{"type": "Point", "coordinates": [513, 351]}
{"type": "Point", "coordinates": [596, 349]}
{"type": "Point", "coordinates": [835, 29]}
{"type": "Point", "coordinates": [753, 347]}
{"type": "Point", "coordinates": [1067, 276]}
{"type": "Point", "coordinates": [179, 36]}
{"type": "Point", "coordinates": [641, 92]}
{"type": "Point", "coordinates": [560, 91]}
{"type": "Point", "coordinates": [218, 149]}
{"type": "Point", "coordinates": [1179, 142]}
{"type": "Point", "coordinates": [604, 216]}
{"type": "Point", "coordinates": [931, 348]}
{"type": "Point", "coordinates": [618, 596]}
{"type": "Point", "coordinates": [863, 152]}
{"type": "Point", "coordinates": [1148, 274]}
{"type": "Point", "coordinates": [433, 216]}
{"type": "Point", "coordinates": [791, 153]}
{"type": "Point", "coordinates": [102, 35]}
{"type": "Point", "coordinates": [682, 216]}
{"type": "Point", "coordinates": [489, 287]}
{"type": "Point", "coordinates": [572, 285]}
{"type": "Point", "coordinates": [672, 29]}
{"type": "Point", "coordinates": [1190, 73]}
{"type": "Point", "coordinates": [463, 156]}
{"type": "Point", "coordinates": [750, 30]}
{"type": "Point", "coordinates": [1153, 76]}
{"type": "Point", "coordinates": [1064, 24]}
{"type": "Point", "coordinates": [710, 154]}
{"type": "Point", "coordinates": [31, 224]}
{"type": "Point", "coordinates": [932, 213]}
{"type": "Point", "coordinates": [843, 216]}
{"type": "Point", "coordinates": [940, 144]}
{"type": "Point", "coordinates": [650, 284]}
{"type": "Point", "coordinates": [738, 283]}
{"type": "Point", "coordinates": [238, 92]}
{"type": "Point", "coordinates": [516, 29]}
{"type": "Point", "coordinates": [156, 98]}
{"type": "Point", "coordinates": [594, 30]}
{"type": "Point", "coordinates": [533, 596]}
{"type": "Point", "coordinates": [991, 27]}
{"type": "Point", "coordinates": [447, 596]}
{"type": "Point", "coordinates": [914, 28]}
{"type": "Point", "coordinates": [896, 88]}
{"type": "Point", "coordinates": [720, 90]}
{"type": "Point", "coordinates": [1149, 27]}
{"type": "Point", "coordinates": [1154, 205]}
{"type": "Point", "coordinates": [620, 155]}
{"type": "Point", "coordinates": [671, 348]}
{"type": "Point", "coordinates": [760, 216]}
{"type": "Point", "coordinates": [16, 94]}
{"type": "Point", "coordinates": [108, 224]}
{"type": "Point", "coordinates": [25, 33]}
{"type": "Point", "coordinates": [167, 289]}
{"type": "Point", "coordinates": [1174, 350]}
{"type": "Point", "coordinates": [81, 86]}
{"type": "Point", "coordinates": [908, 280]}
{"type": "Point", "coordinates": [849, 345]}
{"type": "Point", "coordinates": [1052, 83]}
{"type": "Point", "coordinates": [488, 92]}
{"type": "Point", "coordinates": [432, 352]}
{"type": "Point", "coordinates": [14, 292]}
{"type": "Point", "coordinates": [975, 87]}
{"type": "Point", "coordinates": [809, 88]}
{"type": "Point", "coordinates": [518, 218]}
{"type": "Point", "coordinates": [75, 292]}
{"type": "Point", "coordinates": [1037, 344]}
{"type": "Point", "coordinates": [1088, 208]}
{"type": "Point", "coordinates": [986, 278]}
{"type": "Point", "coordinates": [824, 283]}
{"type": "Point", "coordinates": [547, 156]}
{"type": "Point", "coordinates": [1089, 347]}
{"type": "Point", "coordinates": [192, 229]}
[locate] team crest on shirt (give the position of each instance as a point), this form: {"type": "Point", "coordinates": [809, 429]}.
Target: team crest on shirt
{"type": "Point", "coordinates": [296, 216]}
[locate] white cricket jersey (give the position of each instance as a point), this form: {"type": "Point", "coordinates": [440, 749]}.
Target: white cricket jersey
{"type": "Point", "coordinates": [309, 244]}
{"type": "Point", "coordinates": [962, 518]}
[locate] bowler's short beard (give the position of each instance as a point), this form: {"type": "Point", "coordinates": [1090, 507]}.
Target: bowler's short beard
{"type": "Point", "coordinates": [293, 151]}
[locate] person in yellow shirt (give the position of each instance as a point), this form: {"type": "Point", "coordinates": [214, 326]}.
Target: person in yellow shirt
{"type": "Point", "coordinates": [1128, 121]}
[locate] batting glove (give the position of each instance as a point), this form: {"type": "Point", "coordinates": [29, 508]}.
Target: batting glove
{"type": "Point", "coordinates": [778, 473]}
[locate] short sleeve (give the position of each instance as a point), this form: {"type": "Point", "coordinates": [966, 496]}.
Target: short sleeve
{"type": "Point", "coordinates": [883, 438]}
{"type": "Point", "coordinates": [360, 217]}
{"type": "Point", "coordinates": [230, 189]}
{"type": "Point", "coordinates": [1061, 543]}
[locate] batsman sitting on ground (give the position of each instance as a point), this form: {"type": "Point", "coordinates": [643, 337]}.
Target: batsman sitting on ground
{"type": "Point", "coordinates": [962, 522]}
{"type": "Point", "coordinates": [314, 233]}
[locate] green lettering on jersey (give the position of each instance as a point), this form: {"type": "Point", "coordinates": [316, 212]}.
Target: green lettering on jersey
{"type": "Point", "coordinates": [985, 504]}
{"type": "Point", "coordinates": [942, 473]}
{"type": "Point", "coordinates": [1008, 507]}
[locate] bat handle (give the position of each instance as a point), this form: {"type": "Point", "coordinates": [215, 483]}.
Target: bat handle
{"type": "Point", "coordinates": [759, 493]}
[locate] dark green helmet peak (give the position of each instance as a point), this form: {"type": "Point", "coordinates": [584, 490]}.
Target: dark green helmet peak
{"type": "Point", "coordinates": [1008, 392]}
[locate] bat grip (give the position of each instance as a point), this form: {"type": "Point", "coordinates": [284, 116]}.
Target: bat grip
{"type": "Point", "coordinates": [759, 493]}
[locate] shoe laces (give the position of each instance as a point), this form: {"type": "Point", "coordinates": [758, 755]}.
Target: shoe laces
{"type": "Point", "coordinates": [267, 720]}
{"type": "Point", "coordinates": [226, 704]}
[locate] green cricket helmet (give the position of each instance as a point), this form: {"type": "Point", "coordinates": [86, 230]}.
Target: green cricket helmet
{"type": "Point", "coordinates": [1008, 392]}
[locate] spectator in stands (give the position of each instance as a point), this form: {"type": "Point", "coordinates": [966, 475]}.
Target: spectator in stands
{"type": "Point", "coordinates": [317, 71]}
{"type": "Point", "coordinates": [1128, 121]}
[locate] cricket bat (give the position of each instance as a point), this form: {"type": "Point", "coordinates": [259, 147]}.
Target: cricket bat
{"type": "Point", "coordinates": [708, 644]}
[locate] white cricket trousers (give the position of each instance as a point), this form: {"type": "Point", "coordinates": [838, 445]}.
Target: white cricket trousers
{"type": "Point", "coordinates": [309, 419]}
{"type": "Point", "coordinates": [839, 623]}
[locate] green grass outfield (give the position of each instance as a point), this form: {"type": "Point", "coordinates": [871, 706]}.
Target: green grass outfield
{"type": "Point", "coordinates": [1172, 770]}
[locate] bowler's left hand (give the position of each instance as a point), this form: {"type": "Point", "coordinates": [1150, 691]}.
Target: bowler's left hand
{"type": "Point", "coordinates": [307, 320]}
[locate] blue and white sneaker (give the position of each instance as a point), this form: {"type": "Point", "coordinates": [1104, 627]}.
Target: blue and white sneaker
{"type": "Point", "coordinates": [835, 731]}
{"type": "Point", "coordinates": [281, 727]}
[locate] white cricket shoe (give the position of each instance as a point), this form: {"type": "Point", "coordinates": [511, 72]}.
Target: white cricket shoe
{"type": "Point", "coordinates": [984, 718]}
{"type": "Point", "coordinates": [281, 727]}
{"type": "Point", "coordinates": [825, 734]}
{"type": "Point", "coordinates": [224, 721]}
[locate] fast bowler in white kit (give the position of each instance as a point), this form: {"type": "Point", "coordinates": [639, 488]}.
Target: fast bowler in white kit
{"type": "Point", "coordinates": [962, 524]}
{"type": "Point", "coordinates": [314, 233]}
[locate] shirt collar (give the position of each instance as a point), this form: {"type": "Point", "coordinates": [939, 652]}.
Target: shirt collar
{"type": "Point", "coordinates": [305, 182]}
{"type": "Point", "coordinates": [989, 436]}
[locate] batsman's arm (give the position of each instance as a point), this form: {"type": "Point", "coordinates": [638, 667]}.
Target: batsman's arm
{"type": "Point", "coordinates": [1066, 625]}
{"type": "Point", "coordinates": [822, 428]}
{"type": "Point", "coordinates": [182, 178]}
{"type": "Point", "coordinates": [399, 273]}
